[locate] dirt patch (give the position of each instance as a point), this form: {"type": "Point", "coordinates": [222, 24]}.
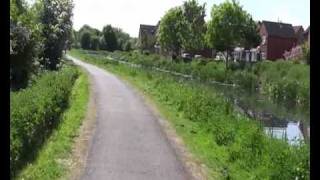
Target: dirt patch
{"type": "Point", "coordinates": [83, 141]}
{"type": "Point", "coordinates": [196, 169]}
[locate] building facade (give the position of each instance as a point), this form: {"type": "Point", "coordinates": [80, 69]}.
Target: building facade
{"type": "Point", "coordinates": [276, 39]}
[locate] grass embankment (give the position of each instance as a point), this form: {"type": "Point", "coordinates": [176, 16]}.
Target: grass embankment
{"type": "Point", "coordinates": [281, 80]}
{"type": "Point", "coordinates": [45, 118]}
{"type": "Point", "coordinates": [231, 145]}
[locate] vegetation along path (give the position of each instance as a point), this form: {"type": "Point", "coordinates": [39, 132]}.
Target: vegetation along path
{"type": "Point", "coordinates": [128, 142]}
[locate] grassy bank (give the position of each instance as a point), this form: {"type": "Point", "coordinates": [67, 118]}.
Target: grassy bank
{"type": "Point", "coordinates": [231, 145]}
{"type": "Point", "coordinates": [281, 81]}
{"type": "Point", "coordinates": [44, 120]}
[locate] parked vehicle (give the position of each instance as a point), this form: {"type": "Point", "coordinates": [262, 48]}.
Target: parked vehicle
{"type": "Point", "coordinates": [186, 57]}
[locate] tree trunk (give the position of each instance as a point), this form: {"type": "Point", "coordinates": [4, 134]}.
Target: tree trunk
{"type": "Point", "coordinates": [227, 60]}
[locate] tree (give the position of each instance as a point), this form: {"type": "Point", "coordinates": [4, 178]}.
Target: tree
{"type": "Point", "coordinates": [86, 40]}
{"type": "Point", "coordinates": [95, 43]}
{"type": "Point", "coordinates": [25, 43]}
{"type": "Point", "coordinates": [57, 26]}
{"type": "Point", "coordinates": [169, 33]}
{"type": "Point", "coordinates": [122, 38]}
{"type": "Point", "coordinates": [230, 26]}
{"type": "Point", "coordinates": [193, 31]}
{"type": "Point", "coordinates": [110, 38]}
{"type": "Point", "coordinates": [251, 37]}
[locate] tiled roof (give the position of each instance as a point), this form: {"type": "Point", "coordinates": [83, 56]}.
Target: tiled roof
{"type": "Point", "coordinates": [148, 29]}
{"type": "Point", "coordinates": [279, 29]}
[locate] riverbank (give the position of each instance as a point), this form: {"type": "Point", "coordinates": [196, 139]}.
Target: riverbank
{"type": "Point", "coordinates": [228, 143]}
{"type": "Point", "coordinates": [280, 81]}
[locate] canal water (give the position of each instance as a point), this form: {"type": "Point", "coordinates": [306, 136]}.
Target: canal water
{"type": "Point", "coordinates": [281, 120]}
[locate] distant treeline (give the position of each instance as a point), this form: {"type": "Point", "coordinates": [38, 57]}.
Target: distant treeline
{"type": "Point", "coordinates": [110, 39]}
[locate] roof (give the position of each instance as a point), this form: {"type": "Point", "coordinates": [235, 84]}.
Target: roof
{"type": "Point", "coordinates": [148, 28]}
{"type": "Point", "coordinates": [297, 28]}
{"type": "Point", "coordinates": [279, 29]}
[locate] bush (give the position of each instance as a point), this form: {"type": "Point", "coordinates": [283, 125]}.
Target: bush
{"type": "Point", "coordinates": [35, 110]}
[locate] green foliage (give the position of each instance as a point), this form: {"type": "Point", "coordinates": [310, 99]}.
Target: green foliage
{"type": "Point", "coordinates": [34, 111]}
{"type": "Point", "coordinates": [86, 40]}
{"type": "Point", "coordinates": [283, 81]}
{"type": "Point", "coordinates": [194, 27]}
{"type": "Point", "coordinates": [25, 43]}
{"type": "Point", "coordinates": [59, 145]}
{"type": "Point", "coordinates": [110, 38]}
{"type": "Point", "coordinates": [57, 28]}
{"type": "Point", "coordinates": [183, 27]}
{"type": "Point", "coordinates": [231, 145]}
{"type": "Point", "coordinates": [95, 43]}
{"type": "Point", "coordinates": [306, 52]}
{"type": "Point", "coordinates": [170, 28]}
{"type": "Point", "coordinates": [231, 26]}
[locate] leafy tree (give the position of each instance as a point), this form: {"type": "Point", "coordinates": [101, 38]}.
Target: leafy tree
{"type": "Point", "coordinates": [57, 27]}
{"type": "Point", "coordinates": [95, 43]}
{"type": "Point", "coordinates": [169, 33]}
{"type": "Point", "coordinates": [122, 38]}
{"type": "Point", "coordinates": [110, 38]}
{"type": "Point", "coordinates": [25, 43]}
{"type": "Point", "coordinates": [251, 37]}
{"type": "Point", "coordinates": [102, 43]}
{"type": "Point", "coordinates": [75, 39]}
{"type": "Point", "coordinates": [86, 40]}
{"type": "Point", "coordinates": [193, 31]}
{"type": "Point", "coordinates": [230, 26]}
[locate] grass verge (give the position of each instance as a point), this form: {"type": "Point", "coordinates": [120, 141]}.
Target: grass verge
{"type": "Point", "coordinates": [53, 159]}
{"type": "Point", "coordinates": [231, 145]}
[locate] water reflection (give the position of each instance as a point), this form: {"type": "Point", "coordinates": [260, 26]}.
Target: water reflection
{"type": "Point", "coordinates": [281, 120]}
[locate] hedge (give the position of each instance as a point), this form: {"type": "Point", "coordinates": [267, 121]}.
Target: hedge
{"type": "Point", "coordinates": [35, 111]}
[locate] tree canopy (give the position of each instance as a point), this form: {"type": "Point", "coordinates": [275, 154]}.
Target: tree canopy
{"type": "Point", "coordinates": [183, 27]}
{"type": "Point", "coordinates": [169, 33]}
{"type": "Point", "coordinates": [231, 26]}
{"type": "Point", "coordinates": [110, 38]}
{"type": "Point", "coordinates": [57, 28]}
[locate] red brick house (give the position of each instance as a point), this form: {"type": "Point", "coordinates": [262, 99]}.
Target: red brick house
{"type": "Point", "coordinates": [276, 39]}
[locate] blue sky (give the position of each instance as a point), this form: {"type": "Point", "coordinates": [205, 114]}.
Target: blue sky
{"type": "Point", "coordinates": [129, 14]}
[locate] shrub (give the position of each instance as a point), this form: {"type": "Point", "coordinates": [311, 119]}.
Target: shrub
{"type": "Point", "coordinates": [35, 110]}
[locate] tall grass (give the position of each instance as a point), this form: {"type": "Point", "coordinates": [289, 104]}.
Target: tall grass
{"type": "Point", "coordinates": [230, 144]}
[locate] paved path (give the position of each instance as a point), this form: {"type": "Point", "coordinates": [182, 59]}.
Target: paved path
{"type": "Point", "coordinates": [128, 143]}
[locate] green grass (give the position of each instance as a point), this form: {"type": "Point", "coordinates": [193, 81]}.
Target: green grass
{"type": "Point", "coordinates": [284, 81]}
{"type": "Point", "coordinates": [52, 160]}
{"type": "Point", "coordinates": [231, 145]}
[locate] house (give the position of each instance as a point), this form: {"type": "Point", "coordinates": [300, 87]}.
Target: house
{"type": "Point", "coordinates": [299, 33]}
{"type": "Point", "coordinates": [147, 37]}
{"type": "Point", "coordinates": [276, 38]}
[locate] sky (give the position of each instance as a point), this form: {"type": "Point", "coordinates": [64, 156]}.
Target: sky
{"type": "Point", "coordinates": [129, 14]}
